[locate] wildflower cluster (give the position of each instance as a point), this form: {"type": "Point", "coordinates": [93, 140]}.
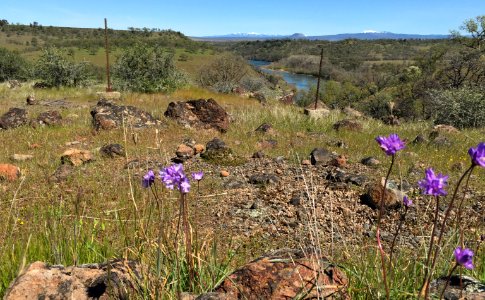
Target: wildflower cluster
{"type": "Point", "coordinates": [173, 177]}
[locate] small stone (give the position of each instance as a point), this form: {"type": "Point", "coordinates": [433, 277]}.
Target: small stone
{"type": "Point", "coordinates": [76, 157]}
{"type": "Point", "coordinates": [265, 128]}
{"type": "Point", "coordinates": [339, 161]}
{"type": "Point", "coordinates": [21, 157]}
{"type": "Point", "coordinates": [199, 148]}
{"type": "Point", "coordinates": [31, 100]}
{"type": "Point", "coordinates": [321, 156]}
{"type": "Point", "coordinates": [255, 205]}
{"type": "Point", "coordinates": [295, 200]}
{"type": "Point", "coordinates": [9, 172]}
{"type": "Point", "coordinates": [370, 161]}
{"type": "Point", "coordinates": [280, 160]}
{"type": "Point", "coordinates": [263, 179]}
{"type": "Point", "coordinates": [184, 151]}
{"type": "Point", "coordinates": [306, 162]}
{"type": "Point", "coordinates": [112, 150]}
{"type": "Point", "coordinates": [278, 171]}
{"type": "Point", "coordinates": [420, 139]}
{"type": "Point", "coordinates": [224, 173]}
{"type": "Point", "coordinates": [258, 154]}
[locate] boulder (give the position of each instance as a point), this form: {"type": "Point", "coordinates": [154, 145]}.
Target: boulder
{"type": "Point", "coordinates": [470, 288]}
{"type": "Point", "coordinates": [112, 280]}
{"type": "Point", "coordinates": [348, 124]}
{"type": "Point", "coordinates": [392, 199]}
{"type": "Point", "coordinates": [50, 118]}
{"type": "Point", "coordinates": [9, 172]}
{"type": "Point", "coordinates": [321, 156]}
{"type": "Point", "coordinates": [107, 115]}
{"type": "Point", "coordinates": [200, 113]}
{"type": "Point", "coordinates": [76, 157]}
{"type": "Point", "coordinates": [284, 274]}
{"type": "Point", "coordinates": [14, 118]}
{"type": "Point", "coordinates": [112, 150]}
{"type": "Point", "coordinates": [218, 153]}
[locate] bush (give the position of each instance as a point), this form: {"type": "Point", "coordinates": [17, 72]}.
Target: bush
{"type": "Point", "coordinates": [147, 69]}
{"type": "Point", "coordinates": [55, 70]}
{"type": "Point", "coordinates": [12, 66]}
{"type": "Point", "coordinates": [464, 107]}
{"type": "Point", "coordinates": [224, 73]}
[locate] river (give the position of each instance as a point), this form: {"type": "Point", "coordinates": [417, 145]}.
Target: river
{"type": "Point", "coordinates": [301, 81]}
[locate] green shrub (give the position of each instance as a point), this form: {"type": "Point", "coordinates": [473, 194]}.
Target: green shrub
{"type": "Point", "coordinates": [464, 107]}
{"type": "Point", "coordinates": [224, 73]}
{"type": "Point", "coordinates": [12, 66]}
{"type": "Point", "coordinates": [55, 69]}
{"type": "Point", "coordinates": [147, 69]}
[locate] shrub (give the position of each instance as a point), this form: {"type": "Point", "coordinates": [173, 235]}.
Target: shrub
{"type": "Point", "coordinates": [55, 70]}
{"type": "Point", "coordinates": [224, 73]}
{"type": "Point", "coordinates": [464, 107]}
{"type": "Point", "coordinates": [147, 69]}
{"type": "Point", "coordinates": [12, 65]}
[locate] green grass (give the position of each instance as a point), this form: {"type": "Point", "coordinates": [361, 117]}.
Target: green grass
{"type": "Point", "coordinates": [92, 217]}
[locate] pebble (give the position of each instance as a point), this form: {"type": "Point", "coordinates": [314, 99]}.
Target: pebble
{"type": "Point", "coordinates": [224, 173]}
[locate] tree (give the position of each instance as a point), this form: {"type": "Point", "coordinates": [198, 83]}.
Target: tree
{"type": "Point", "coordinates": [476, 29]}
{"type": "Point", "coordinates": [224, 73]}
{"type": "Point", "coordinates": [12, 65]}
{"type": "Point", "coordinates": [142, 68]}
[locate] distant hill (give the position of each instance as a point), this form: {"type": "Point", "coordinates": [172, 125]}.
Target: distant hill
{"type": "Point", "coordinates": [333, 37]}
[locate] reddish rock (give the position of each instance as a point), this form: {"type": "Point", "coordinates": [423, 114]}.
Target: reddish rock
{"type": "Point", "coordinates": [339, 161]}
{"type": "Point", "coordinates": [285, 274]}
{"type": "Point", "coordinates": [392, 199]}
{"type": "Point", "coordinates": [306, 162]}
{"type": "Point", "coordinates": [76, 157]}
{"type": "Point", "coordinates": [9, 172]}
{"type": "Point", "coordinates": [224, 173]}
{"type": "Point", "coordinates": [114, 280]}
{"type": "Point", "coordinates": [199, 148]}
{"type": "Point", "coordinates": [184, 151]}
{"type": "Point", "coordinates": [199, 113]}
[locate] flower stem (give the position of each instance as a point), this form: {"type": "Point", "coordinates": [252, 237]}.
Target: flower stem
{"type": "Point", "coordinates": [378, 231]}
{"type": "Point", "coordinates": [430, 250]}
{"type": "Point", "coordinates": [458, 220]}
{"type": "Point", "coordinates": [401, 222]}
{"type": "Point", "coordinates": [447, 214]}
{"type": "Point", "coordinates": [448, 281]}
{"type": "Point", "coordinates": [188, 239]}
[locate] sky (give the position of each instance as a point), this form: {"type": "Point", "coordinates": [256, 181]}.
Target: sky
{"type": "Point", "coordinates": [217, 17]}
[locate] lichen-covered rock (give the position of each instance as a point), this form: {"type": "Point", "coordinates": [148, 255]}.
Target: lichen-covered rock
{"type": "Point", "coordinates": [112, 150]}
{"type": "Point", "coordinates": [50, 118]}
{"type": "Point", "coordinates": [218, 153]}
{"type": "Point", "coordinates": [347, 124]}
{"type": "Point", "coordinates": [284, 274]}
{"type": "Point", "coordinates": [392, 198]}
{"type": "Point", "coordinates": [13, 118]}
{"type": "Point", "coordinates": [470, 288]}
{"type": "Point", "coordinates": [107, 115]}
{"type": "Point", "coordinates": [76, 157]}
{"type": "Point", "coordinates": [113, 280]}
{"type": "Point", "coordinates": [199, 113]}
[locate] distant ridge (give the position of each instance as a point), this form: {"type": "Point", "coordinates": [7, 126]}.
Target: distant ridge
{"type": "Point", "coordinates": [367, 35]}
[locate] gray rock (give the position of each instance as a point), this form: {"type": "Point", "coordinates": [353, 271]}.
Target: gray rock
{"type": "Point", "coordinates": [471, 288]}
{"type": "Point", "coordinates": [49, 118]}
{"type": "Point", "coordinates": [14, 118]}
{"type": "Point", "coordinates": [107, 115]}
{"type": "Point", "coordinates": [112, 150]}
{"type": "Point", "coordinates": [321, 156]}
{"type": "Point", "coordinates": [263, 179]}
{"type": "Point", "coordinates": [370, 161]}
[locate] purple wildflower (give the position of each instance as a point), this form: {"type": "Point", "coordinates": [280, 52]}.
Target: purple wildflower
{"type": "Point", "coordinates": [478, 155]}
{"type": "Point", "coordinates": [390, 144]}
{"type": "Point", "coordinates": [198, 175]}
{"type": "Point", "coordinates": [407, 202]}
{"type": "Point", "coordinates": [433, 184]}
{"type": "Point", "coordinates": [174, 178]}
{"type": "Point", "coordinates": [148, 179]}
{"type": "Point", "coordinates": [464, 257]}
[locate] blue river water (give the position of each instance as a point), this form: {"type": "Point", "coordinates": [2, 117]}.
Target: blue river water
{"type": "Point", "coordinates": [300, 81]}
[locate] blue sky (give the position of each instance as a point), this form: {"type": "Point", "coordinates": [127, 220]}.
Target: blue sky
{"type": "Point", "coordinates": [212, 17]}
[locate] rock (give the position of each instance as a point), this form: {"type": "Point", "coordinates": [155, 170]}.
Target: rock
{"type": "Point", "coordinates": [340, 176]}
{"type": "Point", "coordinates": [14, 118]}
{"type": "Point", "coordinates": [287, 99]}
{"type": "Point", "coordinates": [21, 157]}
{"type": "Point", "coordinates": [441, 141]}
{"type": "Point", "coordinates": [347, 124]}
{"type": "Point", "coordinates": [12, 84]}
{"type": "Point", "coordinates": [110, 96]}
{"type": "Point", "coordinates": [258, 154]}
{"type": "Point", "coordinates": [31, 100]}
{"type": "Point", "coordinates": [471, 289]}
{"type": "Point", "coordinates": [267, 144]}
{"type": "Point", "coordinates": [199, 148]}
{"type": "Point", "coordinates": [306, 162]}
{"type": "Point", "coordinates": [263, 179]}
{"type": "Point", "coordinates": [113, 280]}
{"type": "Point", "coordinates": [321, 156]}
{"type": "Point", "coordinates": [60, 103]}
{"type": "Point", "coordinates": [265, 128]}
{"type": "Point", "coordinates": [320, 104]}
{"type": "Point", "coordinates": [370, 161]}
{"type": "Point", "coordinates": [76, 157]}
{"type": "Point", "coordinates": [50, 118]}
{"type": "Point", "coordinates": [107, 115]}
{"type": "Point", "coordinates": [392, 120]}
{"type": "Point", "coordinates": [234, 183]}
{"type": "Point", "coordinates": [352, 113]}
{"type": "Point", "coordinates": [285, 274]}
{"type": "Point", "coordinates": [62, 173]}
{"type": "Point", "coordinates": [339, 161]}
{"type": "Point", "coordinates": [184, 151]}
{"type": "Point", "coordinates": [9, 172]}
{"type": "Point", "coordinates": [445, 129]}
{"type": "Point", "coordinates": [199, 113]}
{"type": "Point", "coordinates": [224, 173]}
{"type": "Point", "coordinates": [218, 153]}
{"type": "Point", "coordinates": [316, 114]}
{"type": "Point", "coordinates": [393, 197]}
{"type": "Point", "coordinates": [420, 139]}
{"type": "Point", "coordinates": [40, 85]}
{"type": "Point", "coordinates": [279, 160]}
{"type": "Point", "coordinates": [295, 200]}
{"type": "Point", "coordinates": [112, 150]}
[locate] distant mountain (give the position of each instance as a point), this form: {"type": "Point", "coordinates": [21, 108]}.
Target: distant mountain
{"type": "Point", "coordinates": [366, 35]}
